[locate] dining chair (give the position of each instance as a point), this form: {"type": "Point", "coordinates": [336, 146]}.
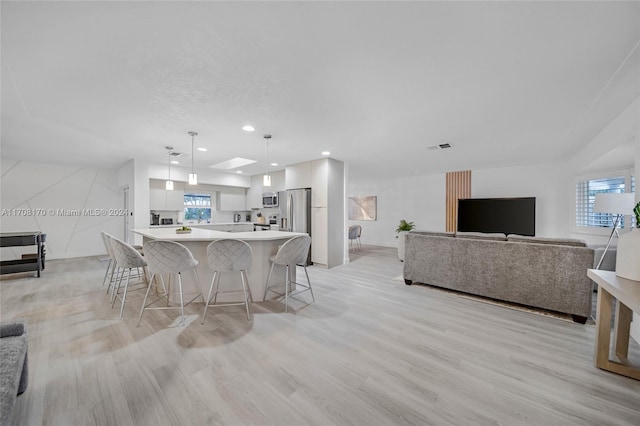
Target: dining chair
{"type": "Point", "coordinates": [168, 258]}
{"type": "Point", "coordinates": [293, 252]}
{"type": "Point", "coordinates": [127, 258]}
{"type": "Point", "coordinates": [228, 255]}
{"type": "Point", "coordinates": [353, 236]}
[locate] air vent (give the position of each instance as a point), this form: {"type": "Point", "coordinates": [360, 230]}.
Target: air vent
{"type": "Point", "coordinates": [441, 146]}
{"type": "Point", "coordinates": [175, 154]}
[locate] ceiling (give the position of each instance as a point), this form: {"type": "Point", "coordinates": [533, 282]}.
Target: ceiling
{"type": "Point", "coordinates": [375, 83]}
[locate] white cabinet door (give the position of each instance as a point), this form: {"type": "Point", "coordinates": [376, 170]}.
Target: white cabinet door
{"type": "Point", "coordinates": [157, 199]}
{"type": "Point", "coordinates": [232, 202]}
{"type": "Point", "coordinates": [175, 200]}
{"type": "Point", "coordinates": [298, 176]}
{"type": "Point", "coordinates": [319, 236]}
{"type": "Point", "coordinates": [320, 182]}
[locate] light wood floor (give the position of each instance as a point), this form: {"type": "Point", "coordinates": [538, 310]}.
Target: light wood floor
{"type": "Point", "coordinates": [370, 351]}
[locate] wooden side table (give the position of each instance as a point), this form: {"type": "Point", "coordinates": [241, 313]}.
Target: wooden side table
{"type": "Point", "coordinates": [627, 294]}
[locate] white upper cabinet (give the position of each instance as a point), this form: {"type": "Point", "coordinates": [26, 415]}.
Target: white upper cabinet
{"type": "Point", "coordinates": [161, 199]}
{"type": "Point", "coordinates": [298, 176]}
{"type": "Point", "coordinates": [231, 202]}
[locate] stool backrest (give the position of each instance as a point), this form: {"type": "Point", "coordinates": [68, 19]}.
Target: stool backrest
{"type": "Point", "coordinates": [125, 255]}
{"type": "Point", "coordinates": [168, 257]}
{"type": "Point", "coordinates": [295, 251]}
{"type": "Point", "coordinates": [229, 255]}
{"type": "Point", "coordinates": [106, 240]}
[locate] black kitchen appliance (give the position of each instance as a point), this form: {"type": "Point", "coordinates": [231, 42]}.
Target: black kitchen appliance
{"type": "Point", "coordinates": [155, 219]}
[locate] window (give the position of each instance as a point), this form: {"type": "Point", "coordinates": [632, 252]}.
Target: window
{"type": "Point", "coordinates": [197, 207]}
{"type": "Point", "coordinates": [586, 191]}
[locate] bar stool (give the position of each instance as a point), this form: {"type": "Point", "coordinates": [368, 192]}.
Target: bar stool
{"type": "Point", "coordinates": [126, 257]}
{"type": "Point", "coordinates": [228, 255]}
{"type": "Point", "coordinates": [294, 252]}
{"type": "Point", "coordinates": [168, 257]}
{"type": "Point", "coordinates": [106, 240]}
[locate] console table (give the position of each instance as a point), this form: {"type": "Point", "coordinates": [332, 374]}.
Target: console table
{"type": "Point", "coordinates": [627, 294]}
{"type": "Point", "coordinates": [33, 262]}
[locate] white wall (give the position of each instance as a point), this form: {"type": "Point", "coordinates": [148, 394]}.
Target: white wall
{"type": "Point", "coordinates": [419, 199]}
{"type": "Point", "coordinates": [546, 182]}
{"type": "Point", "coordinates": [53, 194]}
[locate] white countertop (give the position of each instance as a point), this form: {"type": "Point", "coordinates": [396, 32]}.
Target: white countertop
{"type": "Point", "coordinates": [200, 224]}
{"type": "Point", "coordinates": [197, 234]}
{"type": "Point", "coordinates": [216, 223]}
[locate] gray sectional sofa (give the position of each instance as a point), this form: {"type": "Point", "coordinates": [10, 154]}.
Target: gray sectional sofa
{"type": "Point", "coordinates": [545, 273]}
{"type": "Point", "coordinates": [13, 366]}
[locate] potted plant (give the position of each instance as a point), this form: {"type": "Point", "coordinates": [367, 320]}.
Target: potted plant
{"type": "Point", "coordinates": [402, 230]}
{"type": "Point", "coordinates": [628, 252]}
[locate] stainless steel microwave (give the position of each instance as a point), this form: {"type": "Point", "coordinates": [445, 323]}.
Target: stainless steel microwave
{"type": "Point", "coordinates": [270, 199]}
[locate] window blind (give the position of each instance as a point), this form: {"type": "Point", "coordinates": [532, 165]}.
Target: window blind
{"type": "Point", "coordinates": [585, 196]}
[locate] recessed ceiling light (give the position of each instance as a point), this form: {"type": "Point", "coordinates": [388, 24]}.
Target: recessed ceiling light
{"type": "Point", "coordinates": [238, 171]}
{"type": "Point", "coordinates": [202, 149]}
{"type": "Point", "coordinates": [175, 162]}
{"type": "Point", "coordinates": [274, 164]}
{"type": "Point", "coordinates": [326, 153]}
{"type": "Point", "coordinates": [248, 128]}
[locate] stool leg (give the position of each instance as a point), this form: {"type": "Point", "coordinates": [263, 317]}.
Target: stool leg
{"type": "Point", "coordinates": [106, 273]}
{"type": "Point", "coordinates": [266, 289]}
{"type": "Point", "coordinates": [144, 302]}
{"type": "Point", "coordinates": [116, 288]}
{"type": "Point", "coordinates": [124, 295]}
{"type": "Point", "coordinates": [181, 299]}
{"type": "Point", "coordinates": [287, 283]}
{"type": "Point", "coordinates": [113, 269]}
{"type": "Point", "coordinates": [206, 305]}
{"type": "Point", "coordinates": [309, 281]}
{"type": "Point", "coordinates": [244, 289]}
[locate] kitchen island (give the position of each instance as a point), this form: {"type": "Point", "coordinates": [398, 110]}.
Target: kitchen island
{"type": "Point", "coordinates": [263, 244]}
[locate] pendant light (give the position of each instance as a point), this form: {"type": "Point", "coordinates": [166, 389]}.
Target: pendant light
{"type": "Point", "coordinates": [193, 177]}
{"type": "Point", "coordinates": [266, 179]}
{"type": "Point", "coordinates": [169, 183]}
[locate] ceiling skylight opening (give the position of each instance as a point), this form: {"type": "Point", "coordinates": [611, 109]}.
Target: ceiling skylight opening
{"type": "Point", "coordinates": [248, 128]}
{"type": "Point", "coordinates": [233, 163]}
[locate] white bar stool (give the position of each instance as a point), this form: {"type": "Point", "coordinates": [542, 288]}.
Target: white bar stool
{"type": "Point", "coordinates": [126, 257]}
{"type": "Point", "coordinates": [293, 252]}
{"type": "Point", "coordinates": [106, 240]}
{"type": "Point", "coordinates": [168, 257]}
{"type": "Point", "coordinates": [228, 255]}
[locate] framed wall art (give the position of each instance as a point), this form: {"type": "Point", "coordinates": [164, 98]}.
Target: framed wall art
{"type": "Point", "coordinates": [363, 208]}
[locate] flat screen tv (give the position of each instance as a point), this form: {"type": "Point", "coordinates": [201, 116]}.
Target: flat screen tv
{"type": "Point", "coordinates": [506, 215]}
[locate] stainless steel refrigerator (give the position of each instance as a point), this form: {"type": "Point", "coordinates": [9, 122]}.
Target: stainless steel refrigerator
{"type": "Point", "coordinates": [295, 212]}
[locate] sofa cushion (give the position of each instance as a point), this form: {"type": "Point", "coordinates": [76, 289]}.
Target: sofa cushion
{"type": "Point", "coordinates": [572, 242]}
{"type": "Point", "coordinates": [13, 368]}
{"type": "Point", "coordinates": [434, 233]}
{"type": "Point", "coordinates": [482, 236]}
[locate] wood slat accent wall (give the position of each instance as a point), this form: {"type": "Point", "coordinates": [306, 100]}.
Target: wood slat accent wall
{"type": "Point", "coordinates": [458, 186]}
